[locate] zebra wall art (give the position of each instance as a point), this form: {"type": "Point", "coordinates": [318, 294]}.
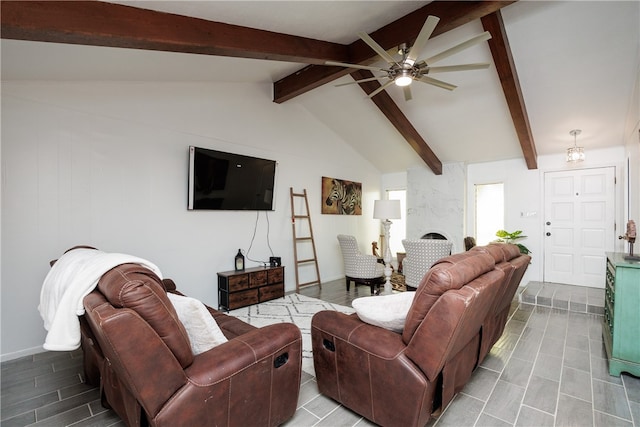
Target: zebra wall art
{"type": "Point", "coordinates": [341, 197]}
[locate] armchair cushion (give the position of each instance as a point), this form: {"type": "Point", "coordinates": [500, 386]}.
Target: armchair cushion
{"type": "Point", "coordinates": [421, 255]}
{"type": "Point", "coordinates": [357, 264]}
{"type": "Point", "coordinates": [386, 311]}
{"type": "Point", "coordinates": [203, 331]}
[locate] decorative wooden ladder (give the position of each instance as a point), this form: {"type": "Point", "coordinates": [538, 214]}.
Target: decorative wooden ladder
{"type": "Point", "coordinates": [303, 216]}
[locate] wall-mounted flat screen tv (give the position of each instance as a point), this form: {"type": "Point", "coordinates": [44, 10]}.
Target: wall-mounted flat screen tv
{"type": "Point", "coordinates": [227, 181]}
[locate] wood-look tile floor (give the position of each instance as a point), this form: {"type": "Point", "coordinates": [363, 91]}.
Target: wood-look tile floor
{"type": "Point", "coordinates": [548, 369]}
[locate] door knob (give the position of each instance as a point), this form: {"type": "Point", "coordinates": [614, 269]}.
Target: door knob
{"type": "Point", "coordinates": [548, 234]}
{"type": "Point", "coordinates": [548, 223]}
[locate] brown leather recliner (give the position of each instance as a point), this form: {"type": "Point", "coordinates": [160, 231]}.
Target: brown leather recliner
{"type": "Point", "coordinates": [149, 375]}
{"type": "Point", "coordinates": [397, 379]}
{"type": "Point", "coordinates": [514, 264]}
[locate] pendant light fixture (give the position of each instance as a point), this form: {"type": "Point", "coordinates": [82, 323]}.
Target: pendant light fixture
{"type": "Point", "coordinates": [575, 154]}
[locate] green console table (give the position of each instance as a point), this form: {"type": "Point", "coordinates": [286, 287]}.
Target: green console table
{"type": "Point", "coordinates": [621, 322]}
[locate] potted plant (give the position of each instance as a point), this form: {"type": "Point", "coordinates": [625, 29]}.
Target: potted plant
{"type": "Point", "coordinates": [507, 237]}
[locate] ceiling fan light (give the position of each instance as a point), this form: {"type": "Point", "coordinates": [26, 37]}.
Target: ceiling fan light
{"type": "Point", "coordinates": [403, 79]}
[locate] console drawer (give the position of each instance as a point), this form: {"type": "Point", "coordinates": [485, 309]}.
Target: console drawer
{"type": "Point", "coordinates": [271, 292]}
{"type": "Point", "coordinates": [238, 283]}
{"type": "Point", "coordinates": [257, 278]}
{"type": "Point", "coordinates": [243, 298]}
{"type": "Point", "coordinates": [275, 275]}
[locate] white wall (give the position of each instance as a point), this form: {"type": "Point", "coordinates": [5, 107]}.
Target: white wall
{"type": "Point", "coordinates": [522, 194]}
{"type": "Point", "coordinates": [524, 198]}
{"type": "Point", "coordinates": [632, 158]}
{"type": "Point", "coordinates": [445, 203]}
{"type": "Point", "coordinates": [631, 179]}
{"type": "Point", "coordinates": [105, 164]}
{"type": "Point", "coordinates": [394, 181]}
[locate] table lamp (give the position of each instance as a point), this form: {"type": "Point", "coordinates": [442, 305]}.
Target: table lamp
{"type": "Point", "coordinates": [386, 210]}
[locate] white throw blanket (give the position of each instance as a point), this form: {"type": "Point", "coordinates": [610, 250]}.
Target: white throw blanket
{"type": "Point", "coordinates": [70, 279]}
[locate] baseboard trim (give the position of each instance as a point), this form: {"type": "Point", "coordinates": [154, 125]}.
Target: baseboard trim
{"type": "Point", "coordinates": [21, 353]}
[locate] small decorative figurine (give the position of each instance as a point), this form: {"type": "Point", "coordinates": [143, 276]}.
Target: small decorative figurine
{"type": "Point", "coordinates": [630, 236]}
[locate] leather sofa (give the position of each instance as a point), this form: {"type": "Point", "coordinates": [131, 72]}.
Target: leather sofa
{"type": "Point", "coordinates": [402, 379]}
{"type": "Point", "coordinates": [135, 348]}
{"type": "Point", "coordinates": [514, 264]}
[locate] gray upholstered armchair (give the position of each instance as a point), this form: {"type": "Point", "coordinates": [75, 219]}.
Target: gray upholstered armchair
{"type": "Point", "coordinates": [358, 267]}
{"type": "Point", "coordinates": [421, 255]}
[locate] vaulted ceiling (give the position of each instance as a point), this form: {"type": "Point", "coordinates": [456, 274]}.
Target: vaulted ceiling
{"type": "Point", "coordinates": [555, 66]}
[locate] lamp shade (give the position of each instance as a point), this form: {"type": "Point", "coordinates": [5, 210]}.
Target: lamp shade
{"type": "Point", "coordinates": [386, 209]}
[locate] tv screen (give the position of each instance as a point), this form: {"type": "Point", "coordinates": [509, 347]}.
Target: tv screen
{"type": "Point", "coordinates": [227, 181]}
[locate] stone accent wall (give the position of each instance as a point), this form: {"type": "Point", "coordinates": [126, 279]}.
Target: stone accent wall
{"type": "Point", "coordinates": [435, 203]}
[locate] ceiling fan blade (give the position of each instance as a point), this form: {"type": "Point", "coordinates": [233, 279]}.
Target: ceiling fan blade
{"type": "Point", "coordinates": [407, 93]}
{"type": "Point", "coordinates": [380, 89]}
{"type": "Point", "coordinates": [434, 82]}
{"type": "Point", "coordinates": [361, 81]}
{"type": "Point", "coordinates": [377, 48]}
{"type": "Point", "coordinates": [360, 67]}
{"type": "Point", "coordinates": [457, 48]}
{"type": "Point", "coordinates": [461, 67]}
{"type": "Point", "coordinates": [423, 36]}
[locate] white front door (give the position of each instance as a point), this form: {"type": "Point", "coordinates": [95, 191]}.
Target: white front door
{"type": "Point", "coordinates": [579, 225]}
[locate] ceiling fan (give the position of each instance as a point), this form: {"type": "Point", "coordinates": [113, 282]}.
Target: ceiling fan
{"type": "Point", "coordinates": [408, 69]}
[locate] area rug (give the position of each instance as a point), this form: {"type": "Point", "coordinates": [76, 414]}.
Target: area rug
{"type": "Point", "coordinates": [397, 282]}
{"type": "Point", "coordinates": [294, 308]}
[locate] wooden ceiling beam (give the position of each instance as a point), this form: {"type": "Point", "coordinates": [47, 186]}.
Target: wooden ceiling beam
{"type": "Point", "coordinates": [397, 118]}
{"type": "Point", "coordinates": [97, 23]}
{"type": "Point", "coordinates": [506, 69]}
{"type": "Point", "coordinates": [402, 30]}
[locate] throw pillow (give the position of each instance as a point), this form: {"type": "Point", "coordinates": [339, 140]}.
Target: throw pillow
{"type": "Point", "coordinates": [386, 311]}
{"type": "Point", "coordinates": [204, 333]}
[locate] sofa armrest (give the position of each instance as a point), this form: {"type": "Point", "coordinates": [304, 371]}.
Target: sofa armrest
{"type": "Point", "coordinates": [253, 379]}
{"type": "Point", "coordinates": [372, 339]}
{"type": "Point", "coordinates": [361, 365]}
{"type": "Point", "coordinates": [226, 360]}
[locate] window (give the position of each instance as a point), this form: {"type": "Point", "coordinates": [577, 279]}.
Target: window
{"type": "Point", "coordinates": [398, 230]}
{"type": "Point", "coordinates": [489, 212]}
